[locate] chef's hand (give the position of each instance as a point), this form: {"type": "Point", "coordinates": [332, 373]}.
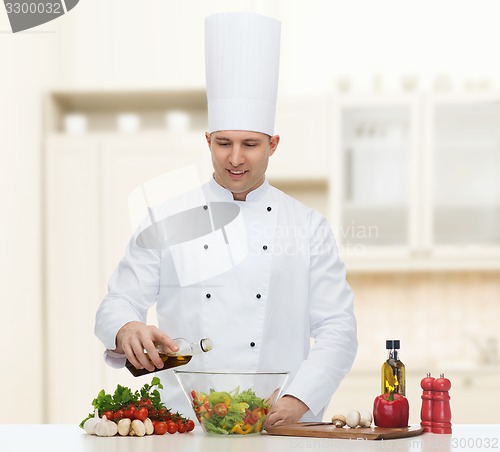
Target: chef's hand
{"type": "Point", "coordinates": [135, 337]}
{"type": "Point", "coordinates": [286, 410]}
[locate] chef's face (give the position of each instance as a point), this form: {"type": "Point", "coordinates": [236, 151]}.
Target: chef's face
{"type": "Point", "coordinates": [240, 159]}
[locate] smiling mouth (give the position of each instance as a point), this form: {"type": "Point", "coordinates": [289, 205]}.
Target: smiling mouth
{"type": "Point", "coordinates": [237, 173]}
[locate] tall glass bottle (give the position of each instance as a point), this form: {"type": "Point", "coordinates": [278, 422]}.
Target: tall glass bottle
{"type": "Point", "coordinates": [181, 357]}
{"type": "Point", "coordinates": [393, 370]}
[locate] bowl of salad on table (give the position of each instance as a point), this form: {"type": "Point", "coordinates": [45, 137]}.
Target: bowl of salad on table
{"type": "Point", "coordinates": [231, 402]}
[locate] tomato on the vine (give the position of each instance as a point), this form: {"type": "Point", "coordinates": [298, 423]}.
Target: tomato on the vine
{"type": "Point", "coordinates": [109, 415]}
{"type": "Point", "coordinates": [130, 412]}
{"type": "Point", "coordinates": [160, 428]}
{"type": "Point", "coordinates": [141, 414]}
{"type": "Point", "coordinates": [190, 425]}
{"type": "Point", "coordinates": [163, 414]}
{"type": "Point", "coordinates": [125, 404]}
{"type": "Point", "coordinates": [172, 427]}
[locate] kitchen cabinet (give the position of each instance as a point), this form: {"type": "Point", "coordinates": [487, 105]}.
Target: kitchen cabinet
{"type": "Point", "coordinates": [87, 183]}
{"type": "Point", "coordinates": [374, 175]}
{"type": "Point", "coordinates": [72, 274]}
{"type": "Point", "coordinates": [463, 164]}
{"type": "Point", "coordinates": [414, 182]}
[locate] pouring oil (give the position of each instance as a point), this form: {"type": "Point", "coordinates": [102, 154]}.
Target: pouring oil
{"type": "Point", "coordinates": [393, 370]}
{"type": "Point", "coordinates": [169, 362]}
{"type": "Point", "coordinates": [183, 356]}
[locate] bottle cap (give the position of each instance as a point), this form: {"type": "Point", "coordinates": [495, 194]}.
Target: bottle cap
{"type": "Point", "coordinates": [206, 344]}
{"type": "Point", "coordinates": [390, 344]}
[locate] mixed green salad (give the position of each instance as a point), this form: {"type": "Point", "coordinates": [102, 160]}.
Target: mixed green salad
{"type": "Point", "coordinates": [230, 413]}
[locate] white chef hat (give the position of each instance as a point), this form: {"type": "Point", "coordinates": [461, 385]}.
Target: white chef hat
{"type": "Point", "coordinates": [242, 68]}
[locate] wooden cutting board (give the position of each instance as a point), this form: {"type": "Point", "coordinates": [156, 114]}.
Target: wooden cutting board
{"type": "Point", "coordinates": [328, 430]}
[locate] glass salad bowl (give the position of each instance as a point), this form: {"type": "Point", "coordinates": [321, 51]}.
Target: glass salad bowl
{"type": "Point", "coordinates": [231, 403]}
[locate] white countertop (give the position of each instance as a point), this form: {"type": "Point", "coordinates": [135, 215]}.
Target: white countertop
{"type": "Point", "coordinates": [70, 438]}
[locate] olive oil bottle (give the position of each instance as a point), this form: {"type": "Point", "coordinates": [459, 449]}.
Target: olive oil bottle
{"type": "Point", "coordinates": [183, 356]}
{"type": "Point", "coordinates": [393, 370]}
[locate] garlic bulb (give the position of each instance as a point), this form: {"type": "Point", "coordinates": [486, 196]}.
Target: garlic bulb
{"type": "Point", "coordinates": [105, 428]}
{"type": "Point", "coordinates": [89, 425]}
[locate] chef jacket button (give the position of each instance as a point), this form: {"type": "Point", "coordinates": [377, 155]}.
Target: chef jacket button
{"type": "Point", "coordinates": [205, 207]}
{"type": "Point", "coordinates": [252, 344]}
{"type": "Point", "coordinates": [264, 247]}
{"type": "Point", "coordinates": [205, 246]}
{"type": "Point", "coordinates": [258, 295]}
{"type": "Point", "coordinates": [269, 209]}
{"type": "Point", "coordinates": [208, 295]}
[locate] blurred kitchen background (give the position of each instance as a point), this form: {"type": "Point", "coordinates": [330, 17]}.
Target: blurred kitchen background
{"type": "Point", "coordinates": [389, 114]}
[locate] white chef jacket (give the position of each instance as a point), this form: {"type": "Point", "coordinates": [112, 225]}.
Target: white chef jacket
{"type": "Point", "coordinates": [261, 314]}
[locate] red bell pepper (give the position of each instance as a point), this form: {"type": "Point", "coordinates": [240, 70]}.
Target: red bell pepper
{"type": "Point", "coordinates": [391, 410]}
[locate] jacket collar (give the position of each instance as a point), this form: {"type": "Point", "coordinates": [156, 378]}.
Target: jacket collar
{"type": "Point", "coordinates": [223, 194]}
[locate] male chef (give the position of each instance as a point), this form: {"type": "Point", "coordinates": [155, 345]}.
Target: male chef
{"type": "Point", "coordinates": [266, 278]}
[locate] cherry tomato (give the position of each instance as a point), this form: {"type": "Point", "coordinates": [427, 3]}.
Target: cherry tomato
{"type": "Point", "coordinates": [120, 414]}
{"type": "Point", "coordinates": [146, 402]}
{"type": "Point", "coordinates": [249, 418]}
{"type": "Point", "coordinates": [141, 414]}
{"type": "Point", "coordinates": [181, 427]}
{"type": "Point", "coordinates": [190, 425]}
{"type": "Point", "coordinates": [162, 414]}
{"type": "Point", "coordinates": [109, 415]}
{"type": "Point", "coordinates": [257, 412]}
{"type": "Point", "coordinates": [220, 409]}
{"type": "Point", "coordinates": [172, 427]}
{"type": "Point", "coordinates": [153, 413]}
{"type": "Point", "coordinates": [130, 412]}
{"type": "Point", "coordinates": [160, 428]}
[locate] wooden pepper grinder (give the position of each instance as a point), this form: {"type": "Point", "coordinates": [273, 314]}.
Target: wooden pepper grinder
{"type": "Point", "coordinates": [441, 412]}
{"type": "Point", "coordinates": [427, 385]}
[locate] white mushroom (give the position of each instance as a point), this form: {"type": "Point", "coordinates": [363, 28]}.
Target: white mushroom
{"type": "Point", "coordinates": [137, 428]}
{"type": "Point", "coordinates": [149, 426]}
{"type": "Point", "coordinates": [124, 426]}
{"type": "Point", "coordinates": [365, 419]}
{"type": "Point", "coordinates": [352, 418]}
